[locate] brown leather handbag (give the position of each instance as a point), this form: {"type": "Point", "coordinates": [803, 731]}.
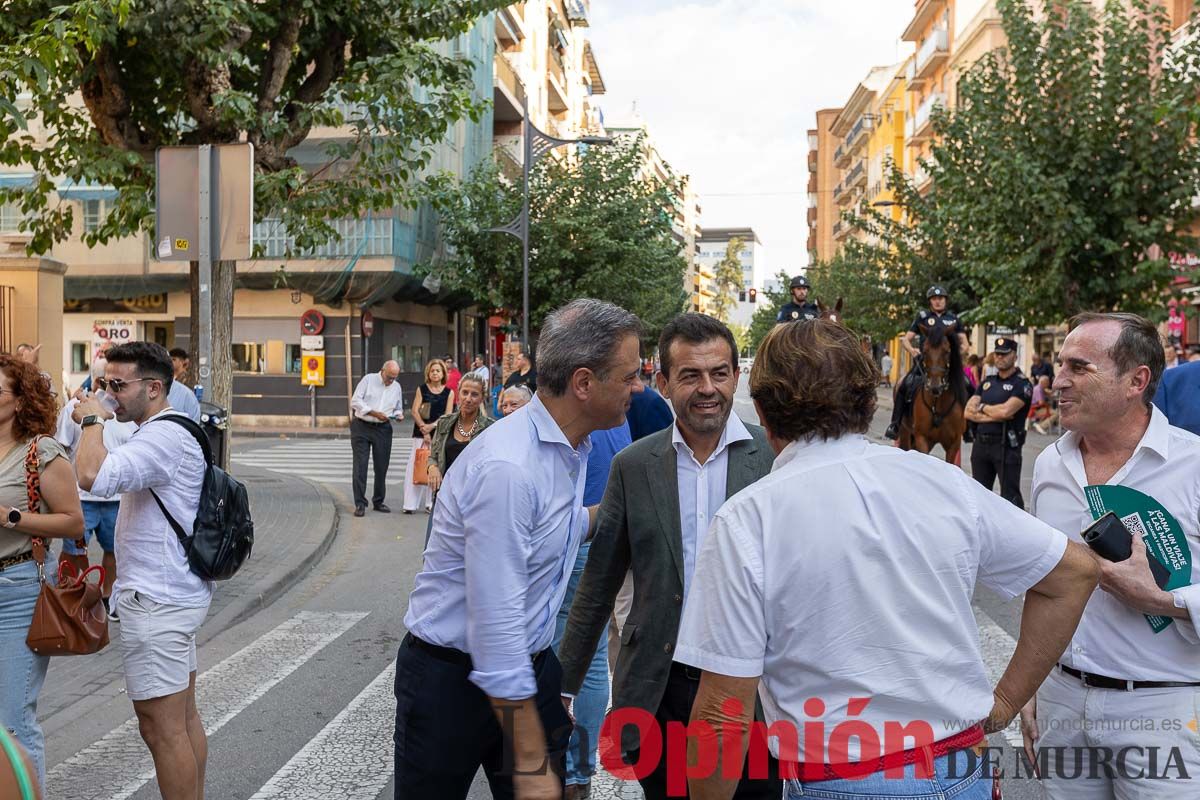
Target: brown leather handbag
{"type": "Point", "coordinates": [68, 618]}
{"type": "Point", "coordinates": [421, 466]}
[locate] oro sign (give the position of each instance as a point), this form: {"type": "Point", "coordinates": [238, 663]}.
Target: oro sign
{"type": "Point", "coordinates": [112, 330]}
{"type": "Point", "coordinates": [312, 369]}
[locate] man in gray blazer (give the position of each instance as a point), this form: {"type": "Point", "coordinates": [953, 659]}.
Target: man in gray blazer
{"type": "Point", "coordinates": [662, 492]}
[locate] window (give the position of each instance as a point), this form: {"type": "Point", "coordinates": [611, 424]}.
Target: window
{"type": "Point", "coordinates": [10, 218]}
{"type": "Point", "coordinates": [416, 359]}
{"type": "Point", "coordinates": [291, 359]}
{"type": "Point", "coordinates": [249, 357]}
{"type": "Point", "coordinates": [93, 215]}
{"type": "Point", "coordinates": [79, 356]}
{"type": "Point", "coordinates": [398, 355]}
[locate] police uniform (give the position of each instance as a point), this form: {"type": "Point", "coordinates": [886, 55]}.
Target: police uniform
{"type": "Point", "coordinates": [922, 326]}
{"type": "Point", "coordinates": [997, 448]}
{"type": "Point", "coordinates": [791, 312]}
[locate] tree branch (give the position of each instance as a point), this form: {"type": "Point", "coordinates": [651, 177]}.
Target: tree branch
{"type": "Point", "coordinates": [279, 62]}
{"type": "Point", "coordinates": [107, 102]}
{"type": "Point", "coordinates": [203, 83]}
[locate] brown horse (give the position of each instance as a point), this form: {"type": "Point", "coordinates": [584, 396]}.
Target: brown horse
{"type": "Point", "coordinates": [832, 314]}
{"type": "Point", "coordinates": [937, 411]}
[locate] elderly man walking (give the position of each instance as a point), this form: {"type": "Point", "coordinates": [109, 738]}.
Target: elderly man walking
{"type": "Point", "coordinates": [376, 402]}
{"type": "Point", "coordinates": [861, 620]}
{"type": "Point", "coordinates": [477, 683]}
{"type": "Point", "coordinates": [1123, 686]}
{"type": "Point", "coordinates": [661, 495]}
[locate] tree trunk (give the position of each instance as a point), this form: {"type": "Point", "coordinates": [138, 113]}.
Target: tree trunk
{"type": "Point", "coordinates": [223, 274]}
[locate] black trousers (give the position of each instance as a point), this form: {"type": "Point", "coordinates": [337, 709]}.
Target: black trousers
{"type": "Point", "coordinates": [990, 460]}
{"type": "Point", "coordinates": [374, 441]}
{"type": "Point", "coordinates": [446, 728]}
{"type": "Point", "coordinates": [904, 394]}
{"type": "Point", "coordinates": [676, 706]}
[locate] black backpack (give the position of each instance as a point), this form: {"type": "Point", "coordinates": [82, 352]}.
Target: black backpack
{"type": "Point", "coordinates": [223, 533]}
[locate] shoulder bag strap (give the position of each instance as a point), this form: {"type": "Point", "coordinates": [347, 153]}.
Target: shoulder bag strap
{"type": "Point", "coordinates": [202, 440]}
{"type": "Point", "coordinates": [33, 495]}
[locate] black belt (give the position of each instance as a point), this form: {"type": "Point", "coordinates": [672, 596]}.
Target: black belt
{"type": "Point", "coordinates": [12, 561]}
{"type": "Point", "coordinates": [453, 656]}
{"type": "Point", "coordinates": [685, 672]}
{"type": "Point", "coordinates": [989, 438]}
{"type": "Point", "coordinates": [1105, 682]}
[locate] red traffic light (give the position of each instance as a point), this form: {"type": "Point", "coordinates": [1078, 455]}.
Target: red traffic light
{"type": "Point", "coordinates": [753, 295]}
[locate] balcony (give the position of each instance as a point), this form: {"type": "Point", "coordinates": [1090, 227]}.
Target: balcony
{"type": "Point", "coordinates": [812, 215]}
{"type": "Point", "coordinates": [812, 161]}
{"type": "Point", "coordinates": [841, 229]}
{"type": "Point", "coordinates": [911, 82]}
{"type": "Point", "coordinates": [362, 237]}
{"type": "Point", "coordinates": [510, 155]}
{"type": "Point", "coordinates": [857, 178]}
{"type": "Point", "coordinates": [857, 134]}
{"type": "Point", "coordinates": [811, 245]}
{"type": "Point", "coordinates": [556, 82]}
{"type": "Point", "coordinates": [510, 26]}
{"type": "Point", "coordinates": [924, 12]}
{"type": "Point", "coordinates": [508, 91]}
{"type": "Point", "coordinates": [919, 128]}
{"type": "Point", "coordinates": [932, 53]}
{"type": "Point", "coordinates": [577, 12]}
{"type": "Point", "coordinates": [841, 156]}
{"type": "Point", "coordinates": [922, 178]}
{"type": "Point", "coordinates": [839, 191]}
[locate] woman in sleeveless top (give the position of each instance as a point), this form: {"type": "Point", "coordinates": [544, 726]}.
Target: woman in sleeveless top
{"type": "Point", "coordinates": [440, 398]}
{"type": "Point", "coordinates": [27, 415]}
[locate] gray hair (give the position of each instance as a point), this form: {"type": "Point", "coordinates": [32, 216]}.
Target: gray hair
{"type": "Point", "coordinates": [521, 390]}
{"type": "Point", "coordinates": [1138, 345]}
{"type": "Point", "coordinates": [583, 334]}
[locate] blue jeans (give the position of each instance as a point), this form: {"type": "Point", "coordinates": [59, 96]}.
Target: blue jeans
{"type": "Point", "coordinates": [100, 518]}
{"type": "Point", "coordinates": [21, 672]}
{"type": "Point", "coordinates": [592, 700]}
{"type": "Point", "coordinates": [956, 776]}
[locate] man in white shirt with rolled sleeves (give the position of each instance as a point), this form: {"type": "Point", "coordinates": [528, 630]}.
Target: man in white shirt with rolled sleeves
{"type": "Point", "coordinates": [376, 402]}
{"type": "Point", "coordinates": [161, 602]}
{"type": "Point", "coordinates": [477, 683]}
{"type": "Point", "coordinates": [1120, 690]}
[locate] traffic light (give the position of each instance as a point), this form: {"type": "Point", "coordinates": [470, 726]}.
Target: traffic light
{"type": "Point", "coordinates": [742, 296]}
{"type": "Point", "coordinates": [753, 295]}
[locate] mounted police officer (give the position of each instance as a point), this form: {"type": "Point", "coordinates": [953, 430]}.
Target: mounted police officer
{"type": "Point", "coordinates": [999, 408]}
{"type": "Point", "coordinates": [926, 321]}
{"type": "Point", "coordinates": [799, 307]}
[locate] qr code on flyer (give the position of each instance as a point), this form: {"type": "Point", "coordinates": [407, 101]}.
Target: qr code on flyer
{"type": "Point", "coordinates": [1133, 523]}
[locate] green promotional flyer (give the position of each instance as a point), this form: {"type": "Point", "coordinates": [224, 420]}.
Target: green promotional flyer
{"type": "Point", "coordinates": [1164, 538]}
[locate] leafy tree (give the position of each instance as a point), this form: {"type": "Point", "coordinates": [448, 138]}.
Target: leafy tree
{"type": "Point", "coordinates": [599, 227]}
{"type": "Point", "coordinates": [217, 71]}
{"type": "Point", "coordinates": [741, 335]}
{"type": "Point", "coordinates": [769, 303]}
{"type": "Point", "coordinates": [1063, 177]}
{"type": "Point", "coordinates": [727, 281]}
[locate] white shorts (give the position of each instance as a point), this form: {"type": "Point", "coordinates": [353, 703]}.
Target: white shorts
{"type": "Point", "coordinates": [158, 645]}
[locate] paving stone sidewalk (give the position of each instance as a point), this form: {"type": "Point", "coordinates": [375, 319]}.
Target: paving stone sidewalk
{"type": "Point", "coordinates": [295, 521]}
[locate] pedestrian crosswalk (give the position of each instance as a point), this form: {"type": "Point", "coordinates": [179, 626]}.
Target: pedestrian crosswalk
{"type": "Point", "coordinates": [350, 757]}
{"type": "Point", "coordinates": [320, 460]}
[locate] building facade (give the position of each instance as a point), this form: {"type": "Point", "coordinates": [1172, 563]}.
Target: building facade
{"type": "Point", "coordinates": [823, 182]}
{"type": "Point", "coordinates": [712, 246]}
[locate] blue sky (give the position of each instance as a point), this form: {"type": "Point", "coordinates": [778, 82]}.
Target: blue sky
{"type": "Point", "coordinates": [729, 88]}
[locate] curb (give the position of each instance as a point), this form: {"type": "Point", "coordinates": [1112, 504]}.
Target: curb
{"type": "Point", "coordinates": [298, 433]}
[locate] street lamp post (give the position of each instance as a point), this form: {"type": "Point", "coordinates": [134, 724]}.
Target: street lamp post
{"type": "Point", "coordinates": [535, 144]}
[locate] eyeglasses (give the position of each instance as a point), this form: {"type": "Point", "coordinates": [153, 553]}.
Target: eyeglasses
{"type": "Point", "coordinates": [116, 385]}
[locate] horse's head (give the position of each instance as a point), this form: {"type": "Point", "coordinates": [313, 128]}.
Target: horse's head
{"type": "Point", "coordinates": [832, 314]}
{"type": "Point", "coordinates": [936, 356]}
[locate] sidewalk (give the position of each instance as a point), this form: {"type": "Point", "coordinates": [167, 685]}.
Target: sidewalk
{"type": "Point", "coordinates": [247, 432]}
{"type": "Point", "coordinates": [295, 522]}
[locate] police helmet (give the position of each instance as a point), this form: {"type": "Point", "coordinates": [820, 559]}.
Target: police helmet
{"type": "Point", "coordinates": [800, 281]}
{"type": "Point", "coordinates": [936, 291]}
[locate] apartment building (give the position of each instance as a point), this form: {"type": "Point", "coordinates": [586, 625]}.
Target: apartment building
{"type": "Point", "coordinates": [823, 180]}
{"type": "Point", "coordinates": [712, 246]}
{"type": "Point", "coordinates": [854, 127]}
{"type": "Point", "coordinates": [885, 144]}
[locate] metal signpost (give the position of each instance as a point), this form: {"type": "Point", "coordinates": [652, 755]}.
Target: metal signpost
{"type": "Point", "coordinates": [204, 212]}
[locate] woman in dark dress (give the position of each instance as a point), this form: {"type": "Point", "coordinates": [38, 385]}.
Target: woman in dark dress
{"type": "Point", "coordinates": [431, 401]}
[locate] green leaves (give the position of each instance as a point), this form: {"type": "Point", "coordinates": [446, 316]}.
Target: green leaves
{"type": "Point", "coordinates": [597, 229]}
{"type": "Point", "coordinates": [1062, 179]}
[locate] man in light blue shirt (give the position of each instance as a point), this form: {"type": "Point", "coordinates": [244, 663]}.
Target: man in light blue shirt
{"type": "Point", "coordinates": [476, 681]}
{"type": "Point", "coordinates": [179, 394]}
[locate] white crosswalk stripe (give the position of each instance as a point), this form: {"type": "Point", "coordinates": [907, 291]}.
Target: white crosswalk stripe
{"type": "Point", "coordinates": [322, 460]}
{"type": "Point", "coordinates": [351, 756]}
{"type": "Point", "coordinates": [118, 765]}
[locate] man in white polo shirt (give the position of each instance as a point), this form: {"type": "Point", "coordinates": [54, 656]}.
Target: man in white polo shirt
{"type": "Point", "coordinates": [161, 602]}
{"type": "Point", "coordinates": [858, 617]}
{"type": "Point", "coordinates": [1121, 690]}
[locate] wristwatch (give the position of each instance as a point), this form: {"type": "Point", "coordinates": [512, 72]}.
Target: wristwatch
{"type": "Point", "coordinates": [90, 419]}
{"type": "Point", "coordinates": [14, 518]}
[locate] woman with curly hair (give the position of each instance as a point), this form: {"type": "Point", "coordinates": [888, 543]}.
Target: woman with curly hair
{"type": "Point", "coordinates": [27, 418]}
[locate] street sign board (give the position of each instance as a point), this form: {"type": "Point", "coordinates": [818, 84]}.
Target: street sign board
{"type": "Point", "coordinates": [312, 372]}
{"type": "Point", "coordinates": [312, 343]}
{"type": "Point", "coordinates": [110, 330]}
{"type": "Point", "coordinates": [177, 202]}
{"type": "Point", "coordinates": [312, 322]}
{"type": "Point", "coordinates": [368, 323]}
